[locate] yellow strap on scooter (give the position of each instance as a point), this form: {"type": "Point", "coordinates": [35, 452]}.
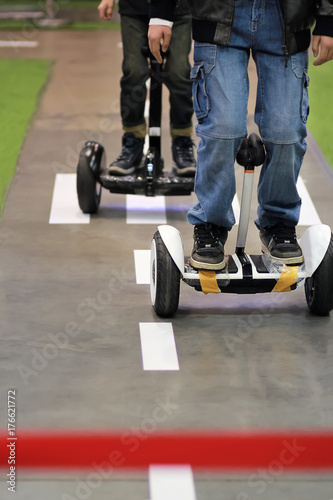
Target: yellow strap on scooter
{"type": "Point", "coordinates": [287, 278]}
{"type": "Point", "coordinates": [208, 282]}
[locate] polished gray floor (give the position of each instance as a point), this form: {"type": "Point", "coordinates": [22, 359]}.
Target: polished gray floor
{"type": "Point", "coordinates": [258, 361]}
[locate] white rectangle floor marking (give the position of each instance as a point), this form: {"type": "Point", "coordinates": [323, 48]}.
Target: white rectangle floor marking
{"type": "Point", "coordinates": [309, 215]}
{"type": "Point", "coordinates": [65, 206]}
{"type": "Point", "coordinates": [145, 209]}
{"type": "Point", "coordinates": [142, 266]}
{"type": "Point", "coordinates": [15, 43]}
{"type": "Point", "coordinates": [158, 347]}
{"type": "Point", "coordinates": [171, 482]}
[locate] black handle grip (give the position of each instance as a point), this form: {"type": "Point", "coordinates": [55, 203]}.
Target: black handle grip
{"type": "Point", "coordinates": [252, 152]}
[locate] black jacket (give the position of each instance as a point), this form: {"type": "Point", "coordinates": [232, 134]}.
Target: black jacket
{"type": "Point", "coordinates": [141, 8]}
{"type": "Point", "coordinates": [212, 20]}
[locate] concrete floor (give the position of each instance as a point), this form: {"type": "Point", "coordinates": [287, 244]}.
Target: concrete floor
{"type": "Point", "coordinates": [245, 361]}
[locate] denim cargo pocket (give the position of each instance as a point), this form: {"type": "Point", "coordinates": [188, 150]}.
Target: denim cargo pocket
{"type": "Point", "coordinates": [305, 97]}
{"type": "Point", "coordinates": [299, 66]}
{"type": "Point", "coordinates": [200, 97]}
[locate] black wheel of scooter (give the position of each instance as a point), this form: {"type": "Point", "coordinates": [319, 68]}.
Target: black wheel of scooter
{"type": "Point", "coordinates": [319, 286]}
{"type": "Point", "coordinates": [88, 189]}
{"type": "Point", "coordinates": [164, 279]}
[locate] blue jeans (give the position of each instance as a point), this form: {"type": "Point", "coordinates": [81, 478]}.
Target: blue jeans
{"type": "Point", "coordinates": [220, 94]}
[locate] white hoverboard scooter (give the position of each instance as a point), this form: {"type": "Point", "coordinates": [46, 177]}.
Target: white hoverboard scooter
{"type": "Point", "coordinates": [243, 273]}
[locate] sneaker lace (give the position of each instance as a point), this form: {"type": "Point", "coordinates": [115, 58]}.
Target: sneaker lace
{"type": "Point", "coordinates": [185, 149]}
{"type": "Point", "coordinates": [284, 234]}
{"type": "Point", "coordinates": [129, 144]}
{"type": "Point", "coordinates": [207, 235]}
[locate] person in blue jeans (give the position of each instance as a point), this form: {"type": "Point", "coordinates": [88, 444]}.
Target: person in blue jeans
{"type": "Point", "coordinates": [277, 34]}
{"type": "Point", "coordinates": [134, 19]}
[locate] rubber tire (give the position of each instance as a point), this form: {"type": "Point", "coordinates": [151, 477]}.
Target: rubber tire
{"type": "Point", "coordinates": [319, 287]}
{"type": "Point", "coordinates": [88, 195]}
{"type": "Point", "coordinates": [165, 279]}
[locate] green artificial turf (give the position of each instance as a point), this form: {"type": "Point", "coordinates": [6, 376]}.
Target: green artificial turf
{"type": "Point", "coordinates": [63, 5]}
{"type": "Point", "coordinates": [91, 25]}
{"type": "Point", "coordinates": [21, 84]}
{"type": "Point", "coordinates": [18, 25]}
{"type": "Point", "coordinates": [320, 121]}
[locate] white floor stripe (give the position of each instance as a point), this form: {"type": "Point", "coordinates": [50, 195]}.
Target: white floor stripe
{"type": "Point", "coordinates": [8, 43]}
{"type": "Point", "coordinates": [65, 207]}
{"type": "Point", "coordinates": [142, 266]}
{"type": "Point", "coordinates": [145, 209]}
{"type": "Point", "coordinates": [25, 16]}
{"type": "Point", "coordinates": [171, 483]}
{"type": "Point", "coordinates": [158, 347]}
{"type": "Point", "coordinates": [309, 215]}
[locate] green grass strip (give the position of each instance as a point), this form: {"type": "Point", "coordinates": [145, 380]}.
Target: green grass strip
{"type": "Point", "coordinates": [21, 83]}
{"type": "Point", "coordinates": [91, 25]}
{"type": "Point", "coordinates": [320, 121]}
{"type": "Point", "coordinates": [19, 25]}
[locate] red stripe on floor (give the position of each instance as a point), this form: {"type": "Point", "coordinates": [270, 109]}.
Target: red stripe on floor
{"type": "Point", "coordinates": [282, 451]}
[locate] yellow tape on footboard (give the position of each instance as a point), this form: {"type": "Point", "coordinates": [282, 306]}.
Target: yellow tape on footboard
{"type": "Point", "coordinates": [287, 278]}
{"type": "Point", "coordinates": [208, 281]}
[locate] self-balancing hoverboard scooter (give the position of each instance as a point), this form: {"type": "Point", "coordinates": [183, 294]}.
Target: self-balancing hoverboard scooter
{"type": "Point", "coordinates": [149, 180]}
{"type": "Point", "coordinates": [246, 274]}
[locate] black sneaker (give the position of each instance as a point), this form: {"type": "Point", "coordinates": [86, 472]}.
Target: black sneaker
{"type": "Point", "coordinates": [183, 156]}
{"type": "Point", "coordinates": [208, 248]}
{"type": "Point", "coordinates": [280, 242]}
{"type": "Point", "coordinates": [130, 156]}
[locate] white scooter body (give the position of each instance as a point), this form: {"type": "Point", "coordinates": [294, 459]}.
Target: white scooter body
{"type": "Point", "coordinates": [314, 243]}
{"type": "Point", "coordinates": [243, 273]}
